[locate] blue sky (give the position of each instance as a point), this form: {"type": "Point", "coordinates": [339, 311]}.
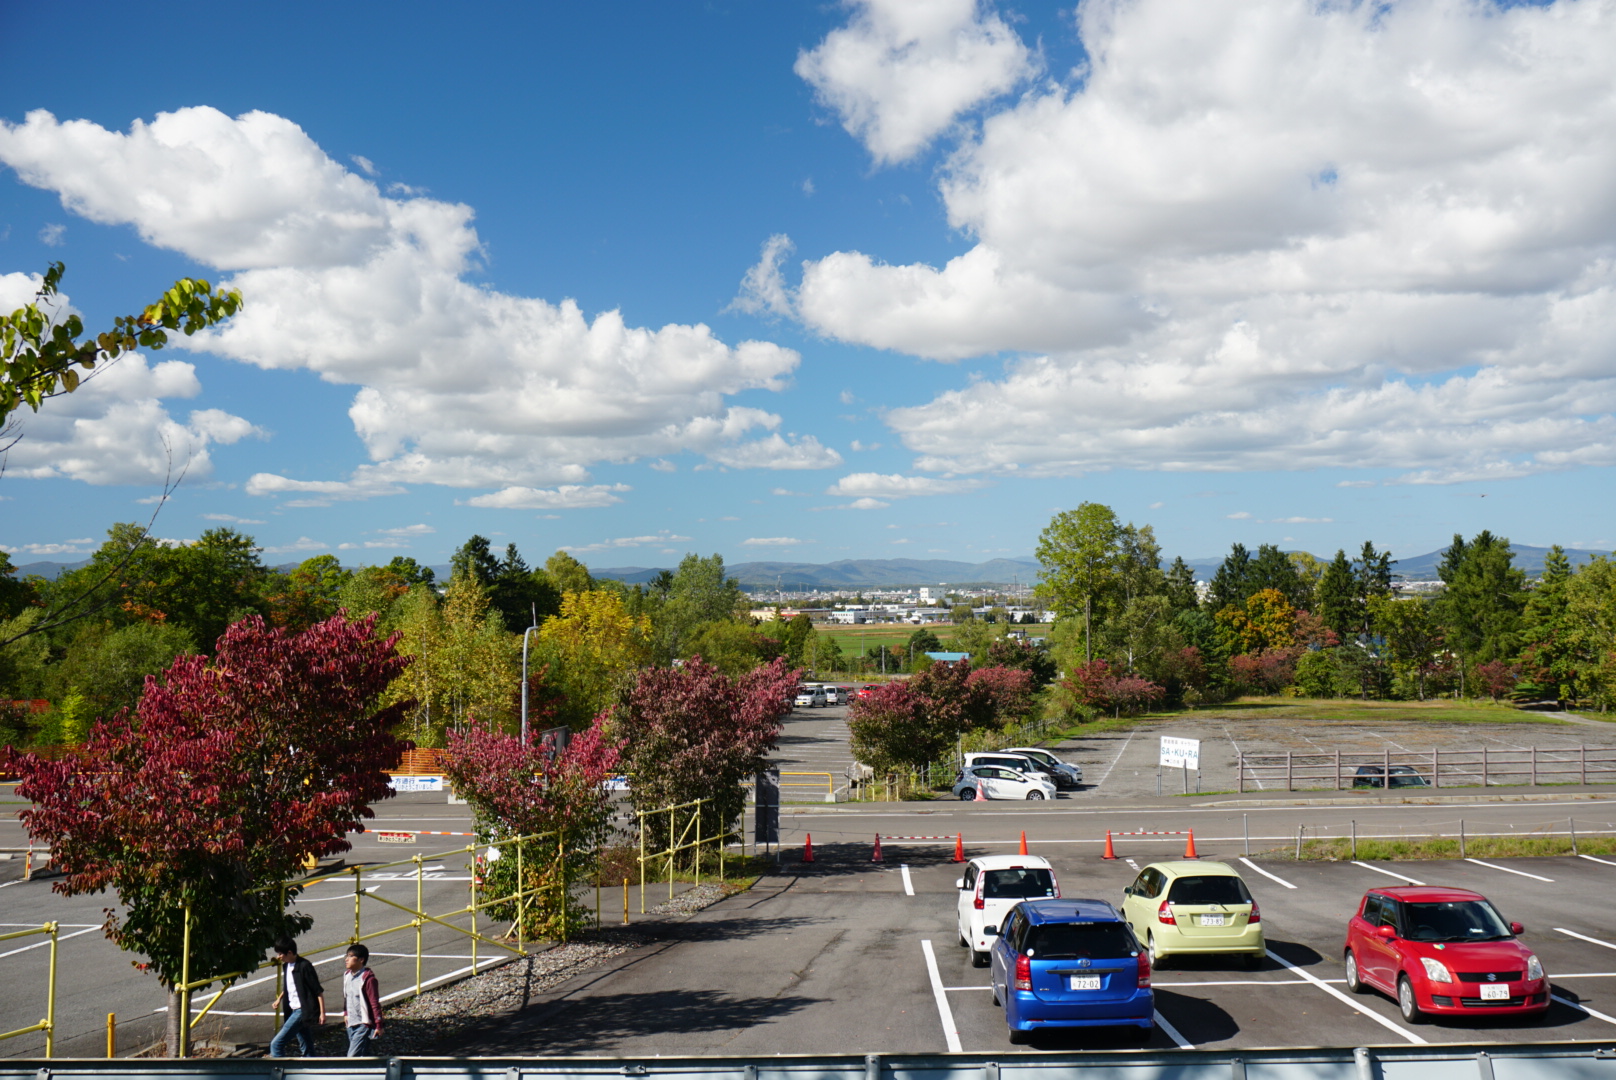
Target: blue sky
{"type": "Point", "coordinates": [1255, 271]}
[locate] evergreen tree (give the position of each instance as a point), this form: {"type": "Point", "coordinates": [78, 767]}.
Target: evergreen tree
{"type": "Point", "coordinates": [1549, 651]}
{"type": "Point", "coordinates": [1374, 572]}
{"type": "Point", "coordinates": [522, 596]}
{"type": "Point", "coordinates": [1232, 582]}
{"type": "Point", "coordinates": [1180, 587]}
{"type": "Point", "coordinates": [1481, 604]}
{"type": "Point", "coordinates": [1339, 604]}
{"type": "Point", "coordinates": [476, 560]}
{"type": "Point", "coordinates": [1273, 569]}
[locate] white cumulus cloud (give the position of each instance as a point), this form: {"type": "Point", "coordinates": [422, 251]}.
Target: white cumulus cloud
{"type": "Point", "coordinates": [458, 384]}
{"type": "Point", "coordinates": [1263, 234]}
{"type": "Point", "coordinates": [901, 70]}
{"type": "Point", "coordinates": [770, 541]}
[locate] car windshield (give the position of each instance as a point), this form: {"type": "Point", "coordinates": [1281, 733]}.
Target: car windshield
{"type": "Point", "coordinates": [1017, 884]}
{"type": "Point", "coordinates": [1455, 920]}
{"type": "Point", "coordinates": [1054, 941]}
{"type": "Point", "coordinates": [1223, 889]}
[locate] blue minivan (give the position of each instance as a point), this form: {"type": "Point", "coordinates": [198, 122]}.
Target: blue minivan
{"type": "Point", "coordinates": [1067, 964]}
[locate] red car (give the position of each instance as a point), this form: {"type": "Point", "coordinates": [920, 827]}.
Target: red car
{"type": "Point", "coordinates": [1444, 952]}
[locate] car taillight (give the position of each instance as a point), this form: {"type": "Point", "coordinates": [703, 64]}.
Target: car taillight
{"type": "Point", "coordinates": [1144, 969]}
{"type": "Point", "coordinates": [1056, 882]}
{"type": "Point", "coordinates": [1165, 914]}
{"type": "Point", "coordinates": [1023, 973]}
{"type": "Point", "coordinates": [978, 903]}
{"type": "Point", "coordinates": [1256, 916]}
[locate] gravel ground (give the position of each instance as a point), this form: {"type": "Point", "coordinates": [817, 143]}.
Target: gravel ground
{"type": "Point", "coordinates": [416, 1026]}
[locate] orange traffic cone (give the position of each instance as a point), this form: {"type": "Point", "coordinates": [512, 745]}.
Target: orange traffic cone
{"type": "Point", "coordinates": [1189, 848]}
{"type": "Point", "coordinates": [1023, 849]}
{"type": "Point", "coordinates": [959, 847]}
{"type": "Point", "coordinates": [808, 849]}
{"type": "Point", "coordinates": [876, 857]}
{"type": "Point", "coordinates": [1110, 852]}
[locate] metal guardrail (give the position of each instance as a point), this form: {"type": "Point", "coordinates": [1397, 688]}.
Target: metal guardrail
{"type": "Point", "coordinates": [1488, 1061]}
{"type": "Point", "coordinates": [1439, 768]}
{"type": "Point", "coordinates": [48, 1024]}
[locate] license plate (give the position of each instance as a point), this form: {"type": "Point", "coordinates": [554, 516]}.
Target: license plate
{"type": "Point", "coordinates": [1092, 982]}
{"type": "Point", "coordinates": [1495, 993]}
{"type": "Point", "coordinates": [1212, 920]}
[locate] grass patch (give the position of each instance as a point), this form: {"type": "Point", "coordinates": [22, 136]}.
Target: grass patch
{"type": "Point", "coordinates": [1442, 711]}
{"type": "Point", "coordinates": [1476, 847]}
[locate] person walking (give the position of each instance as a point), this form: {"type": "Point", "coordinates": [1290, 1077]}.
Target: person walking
{"type": "Point", "coordinates": [304, 997]}
{"type": "Point", "coordinates": [361, 1002]}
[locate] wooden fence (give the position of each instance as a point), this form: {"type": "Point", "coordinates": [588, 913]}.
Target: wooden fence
{"type": "Point", "coordinates": [1482, 767]}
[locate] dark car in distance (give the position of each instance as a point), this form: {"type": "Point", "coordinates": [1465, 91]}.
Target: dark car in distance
{"type": "Point", "coordinates": [1376, 776]}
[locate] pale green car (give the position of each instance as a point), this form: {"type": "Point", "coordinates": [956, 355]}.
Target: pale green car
{"type": "Point", "coordinates": [1190, 907]}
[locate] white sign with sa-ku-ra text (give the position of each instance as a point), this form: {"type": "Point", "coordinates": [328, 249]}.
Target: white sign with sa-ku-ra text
{"type": "Point", "coordinates": [1180, 753]}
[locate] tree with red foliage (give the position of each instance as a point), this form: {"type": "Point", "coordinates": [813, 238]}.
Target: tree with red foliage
{"type": "Point", "coordinates": [1094, 686]}
{"type": "Point", "coordinates": [913, 723]}
{"type": "Point", "coordinates": [1496, 678]}
{"type": "Point", "coordinates": [1087, 685]}
{"type": "Point", "coordinates": [516, 789]}
{"type": "Point", "coordinates": [231, 770]}
{"type": "Point", "coordinates": [1266, 672]}
{"type": "Point", "coordinates": [691, 733]}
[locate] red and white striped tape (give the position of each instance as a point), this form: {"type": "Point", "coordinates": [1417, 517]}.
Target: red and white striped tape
{"type": "Point", "coordinates": [917, 837]}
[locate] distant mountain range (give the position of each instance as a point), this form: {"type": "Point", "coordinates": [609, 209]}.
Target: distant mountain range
{"type": "Point", "coordinates": [891, 573]}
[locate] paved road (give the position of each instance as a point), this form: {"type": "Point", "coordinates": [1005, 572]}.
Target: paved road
{"type": "Point", "coordinates": [834, 956]}
{"type": "Point", "coordinates": [814, 741]}
{"type": "Point", "coordinates": [829, 957]}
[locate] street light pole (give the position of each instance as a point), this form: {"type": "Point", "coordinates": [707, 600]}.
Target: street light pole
{"type": "Point", "coordinates": [525, 633]}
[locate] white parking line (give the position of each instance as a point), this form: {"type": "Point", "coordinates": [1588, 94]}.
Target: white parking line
{"type": "Point", "coordinates": [1510, 870]}
{"type": "Point", "coordinates": [1357, 1007]}
{"type": "Point", "coordinates": [1590, 858]}
{"type": "Point", "coordinates": [953, 988]}
{"type": "Point", "coordinates": [944, 1013]}
{"type": "Point", "coordinates": [1586, 975]}
{"type": "Point", "coordinates": [1388, 873]}
{"type": "Point", "coordinates": [1172, 1033]}
{"type": "Point", "coordinates": [1114, 761]}
{"type": "Point", "coordinates": [1584, 937]}
{"type": "Point", "coordinates": [1583, 1008]}
{"type": "Point", "coordinates": [908, 886]}
{"type": "Point", "coordinates": [1249, 982]}
{"type": "Point", "coordinates": [1266, 874]}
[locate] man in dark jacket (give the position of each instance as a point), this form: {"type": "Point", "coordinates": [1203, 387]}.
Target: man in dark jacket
{"type": "Point", "coordinates": [305, 999]}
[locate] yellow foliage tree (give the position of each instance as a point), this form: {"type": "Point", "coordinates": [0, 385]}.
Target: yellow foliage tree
{"type": "Point", "coordinates": [465, 662]}
{"type": "Point", "coordinates": [1268, 621]}
{"type": "Point", "coordinates": [590, 646]}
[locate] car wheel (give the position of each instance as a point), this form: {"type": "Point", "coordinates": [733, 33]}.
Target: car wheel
{"type": "Point", "coordinates": [1406, 1003]}
{"type": "Point", "coordinates": [1019, 1038]}
{"type": "Point", "coordinates": [967, 794]}
{"type": "Point", "coordinates": [1034, 795]}
{"type": "Point", "coordinates": [1354, 980]}
{"type": "Point", "coordinates": [996, 1000]}
{"type": "Point", "coordinates": [1156, 958]}
{"type": "Point", "coordinates": [979, 959]}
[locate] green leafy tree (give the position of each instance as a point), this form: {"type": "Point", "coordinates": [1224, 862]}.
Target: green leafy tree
{"type": "Point", "coordinates": [1412, 635]}
{"type": "Point", "coordinates": [1080, 552]}
{"type": "Point", "coordinates": [1232, 581]}
{"type": "Point", "coordinates": [476, 560]}
{"type": "Point", "coordinates": [311, 593]}
{"type": "Point", "coordinates": [15, 594]}
{"type": "Point", "coordinates": [42, 344]}
{"type": "Point", "coordinates": [108, 667]}
{"type": "Point", "coordinates": [567, 574]}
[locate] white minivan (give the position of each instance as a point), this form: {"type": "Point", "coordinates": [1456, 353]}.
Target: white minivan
{"type": "Point", "coordinates": [992, 885]}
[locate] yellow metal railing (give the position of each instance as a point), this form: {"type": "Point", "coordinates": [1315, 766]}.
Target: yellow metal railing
{"type": "Point", "coordinates": [820, 783]}
{"type": "Point", "coordinates": [419, 918]}
{"type": "Point", "coordinates": [47, 1025]}
{"type": "Point", "coordinates": [679, 839]}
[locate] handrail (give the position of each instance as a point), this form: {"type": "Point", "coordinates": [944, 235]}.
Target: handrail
{"type": "Point", "coordinates": [48, 1024]}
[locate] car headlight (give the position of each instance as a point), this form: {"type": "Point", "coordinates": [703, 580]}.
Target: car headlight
{"type": "Point", "coordinates": [1435, 971]}
{"type": "Point", "coordinates": [1534, 967]}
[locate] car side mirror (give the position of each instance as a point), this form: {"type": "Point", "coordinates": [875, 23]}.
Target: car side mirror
{"type": "Point", "coordinates": [1387, 932]}
{"type": "Point", "coordinates": [990, 931]}
{"type": "Point", "coordinates": [1516, 928]}
{"type": "Point", "coordinates": [1127, 890]}
{"type": "Point", "coordinates": [959, 883]}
